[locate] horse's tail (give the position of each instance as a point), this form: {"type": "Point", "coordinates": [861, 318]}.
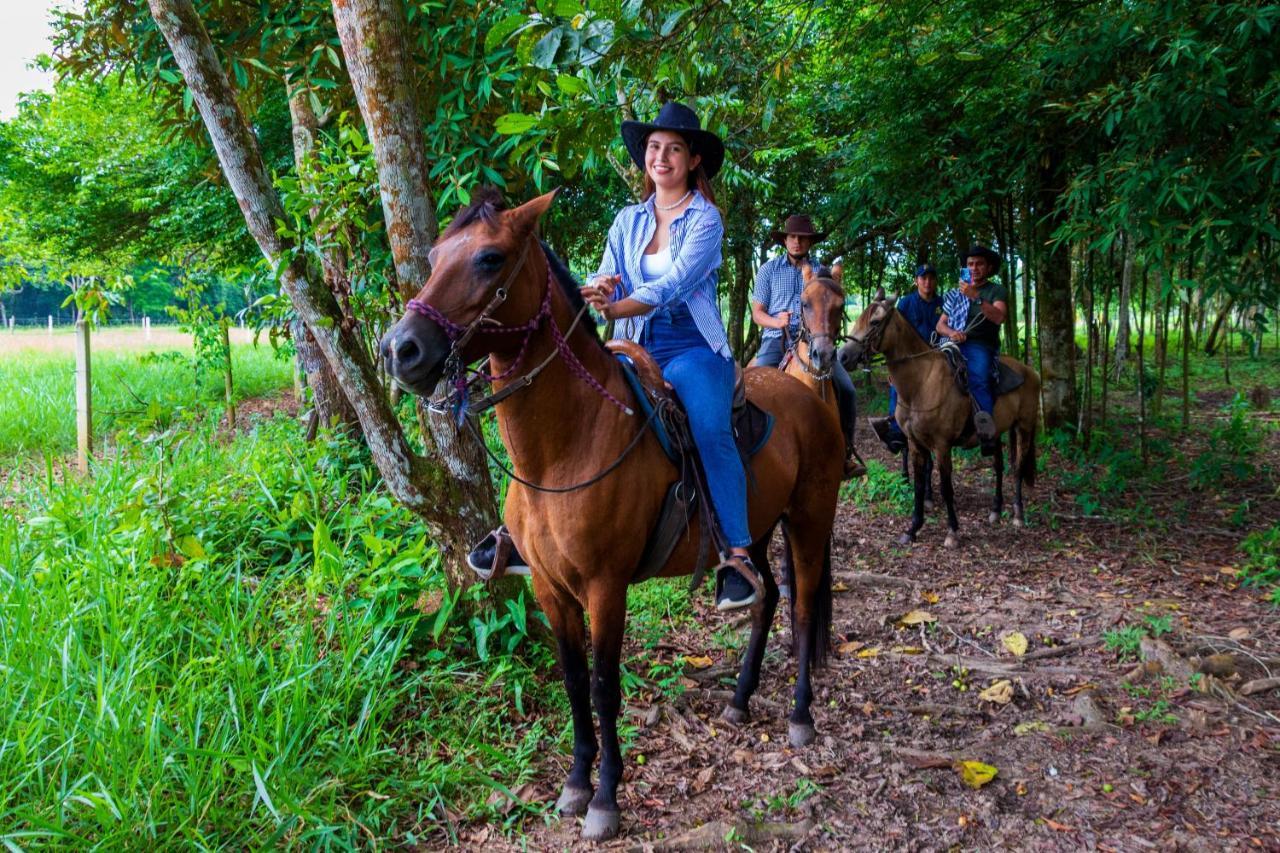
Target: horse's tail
{"type": "Point", "coordinates": [1027, 456]}
{"type": "Point", "coordinates": [823, 612]}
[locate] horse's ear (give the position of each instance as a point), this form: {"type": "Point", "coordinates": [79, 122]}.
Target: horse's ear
{"type": "Point", "coordinates": [526, 216]}
{"type": "Point", "coordinates": [837, 273]}
{"type": "Point", "coordinates": [807, 272]}
{"type": "Point", "coordinates": [880, 295]}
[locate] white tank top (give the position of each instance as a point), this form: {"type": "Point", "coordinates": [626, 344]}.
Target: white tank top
{"type": "Point", "coordinates": [657, 265]}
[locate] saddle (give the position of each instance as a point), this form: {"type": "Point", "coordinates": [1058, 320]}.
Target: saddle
{"type": "Point", "coordinates": [665, 414]}
{"type": "Point", "coordinates": [1004, 380]}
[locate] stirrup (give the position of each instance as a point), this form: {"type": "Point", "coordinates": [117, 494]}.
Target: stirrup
{"type": "Point", "coordinates": [501, 563]}
{"type": "Point", "coordinates": [747, 569]}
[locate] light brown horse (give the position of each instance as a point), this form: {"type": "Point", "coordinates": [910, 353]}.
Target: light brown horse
{"type": "Point", "coordinates": [935, 415]}
{"type": "Point", "coordinates": [496, 290]}
{"type": "Point", "coordinates": [821, 319]}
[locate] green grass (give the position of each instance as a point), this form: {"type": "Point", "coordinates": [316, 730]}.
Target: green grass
{"type": "Point", "coordinates": [130, 388]}
{"type": "Point", "coordinates": [213, 644]}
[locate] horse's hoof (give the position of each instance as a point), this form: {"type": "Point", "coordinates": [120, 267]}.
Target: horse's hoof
{"type": "Point", "coordinates": [735, 716]}
{"type": "Point", "coordinates": [993, 518]}
{"type": "Point", "coordinates": [928, 505]}
{"type": "Point", "coordinates": [600, 825]}
{"type": "Point", "coordinates": [801, 734]}
{"type": "Point", "coordinates": [951, 541]}
{"type": "Point", "coordinates": [573, 801]}
{"type": "Point", "coordinates": [1017, 522]}
{"type": "Point", "coordinates": [906, 539]}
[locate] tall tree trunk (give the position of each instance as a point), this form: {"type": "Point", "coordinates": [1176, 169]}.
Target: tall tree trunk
{"type": "Point", "coordinates": [1054, 306]}
{"type": "Point", "coordinates": [428, 490]}
{"type": "Point", "coordinates": [1122, 318]}
{"type": "Point", "coordinates": [1142, 372]}
{"type": "Point", "coordinates": [739, 296]}
{"type": "Point", "coordinates": [1211, 345]}
{"type": "Point", "coordinates": [331, 405]}
{"type": "Point", "coordinates": [1027, 267]}
{"type": "Point", "coordinates": [372, 33]}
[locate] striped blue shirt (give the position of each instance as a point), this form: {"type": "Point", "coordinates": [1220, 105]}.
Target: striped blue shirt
{"type": "Point", "coordinates": [696, 235]}
{"type": "Point", "coordinates": [779, 285]}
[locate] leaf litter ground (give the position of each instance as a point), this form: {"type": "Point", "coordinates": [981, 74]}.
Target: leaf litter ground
{"type": "Point", "coordinates": [1089, 750]}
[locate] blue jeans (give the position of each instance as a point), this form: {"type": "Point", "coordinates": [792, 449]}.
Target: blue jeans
{"type": "Point", "coordinates": [893, 407]}
{"type": "Point", "coordinates": [704, 383]}
{"type": "Point", "coordinates": [770, 352]}
{"type": "Point", "coordinates": [981, 362]}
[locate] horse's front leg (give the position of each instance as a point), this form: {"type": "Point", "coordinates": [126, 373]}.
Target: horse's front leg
{"type": "Point", "coordinates": [565, 616]}
{"type": "Point", "coordinates": [737, 711]}
{"type": "Point", "coordinates": [948, 496]}
{"type": "Point", "coordinates": [919, 457]}
{"type": "Point", "coordinates": [997, 467]}
{"type": "Point", "coordinates": [608, 608]}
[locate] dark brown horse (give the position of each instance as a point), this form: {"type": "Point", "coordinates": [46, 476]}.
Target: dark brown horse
{"type": "Point", "coordinates": [498, 293]}
{"type": "Point", "coordinates": [934, 414]}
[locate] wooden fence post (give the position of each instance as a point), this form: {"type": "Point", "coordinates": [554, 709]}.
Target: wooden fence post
{"type": "Point", "coordinates": [50, 324]}
{"type": "Point", "coordinates": [84, 409]}
{"type": "Point", "coordinates": [226, 352]}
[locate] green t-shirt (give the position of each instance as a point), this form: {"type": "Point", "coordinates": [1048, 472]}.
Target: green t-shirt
{"type": "Point", "coordinates": [985, 331]}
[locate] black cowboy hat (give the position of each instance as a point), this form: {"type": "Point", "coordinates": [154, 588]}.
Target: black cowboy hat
{"type": "Point", "coordinates": [680, 119]}
{"type": "Point", "coordinates": [983, 252]}
{"type": "Point", "coordinates": [800, 225]}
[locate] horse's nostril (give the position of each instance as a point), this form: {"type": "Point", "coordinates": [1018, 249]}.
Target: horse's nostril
{"type": "Point", "coordinates": [407, 352]}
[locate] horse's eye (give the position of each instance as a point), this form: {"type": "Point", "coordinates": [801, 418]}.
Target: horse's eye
{"type": "Point", "coordinates": [489, 260]}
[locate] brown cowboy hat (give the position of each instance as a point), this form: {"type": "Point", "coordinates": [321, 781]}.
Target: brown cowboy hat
{"type": "Point", "coordinates": [982, 252]}
{"type": "Point", "coordinates": [800, 225]}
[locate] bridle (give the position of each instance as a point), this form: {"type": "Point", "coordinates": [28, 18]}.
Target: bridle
{"type": "Point", "coordinates": [460, 377]}
{"type": "Point", "coordinates": [467, 412]}
{"type": "Point", "coordinates": [807, 337]}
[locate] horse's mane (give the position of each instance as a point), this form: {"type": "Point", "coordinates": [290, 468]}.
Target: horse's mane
{"type": "Point", "coordinates": [823, 276]}
{"type": "Point", "coordinates": [569, 287]}
{"type": "Point", "coordinates": [485, 206]}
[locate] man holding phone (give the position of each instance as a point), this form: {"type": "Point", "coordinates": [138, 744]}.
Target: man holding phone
{"type": "Point", "coordinates": [971, 317]}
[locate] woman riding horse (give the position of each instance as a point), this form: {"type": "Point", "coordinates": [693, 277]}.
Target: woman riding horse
{"type": "Point", "coordinates": [657, 280]}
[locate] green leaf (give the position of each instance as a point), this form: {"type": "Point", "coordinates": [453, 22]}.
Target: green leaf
{"type": "Point", "coordinates": [500, 31]}
{"type": "Point", "coordinates": [190, 547]}
{"type": "Point", "coordinates": [515, 123]}
{"type": "Point", "coordinates": [544, 52]}
{"type": "Point", "coordinates": [567, 8]}
{"type": "Point", "coordinates": [570, 85]}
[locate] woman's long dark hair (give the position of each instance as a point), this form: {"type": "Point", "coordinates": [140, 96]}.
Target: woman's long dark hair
{"type": "Point", "coordinates": [698, 179]}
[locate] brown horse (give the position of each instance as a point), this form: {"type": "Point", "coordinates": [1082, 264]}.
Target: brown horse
{"type": "Point", "coordinates": [592, 477]}
{"type": "Point", "coordinates": [935, 415]}
{"type": "Point", "coordinates": [821, 320]}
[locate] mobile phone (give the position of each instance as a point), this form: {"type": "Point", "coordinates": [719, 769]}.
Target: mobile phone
{"type": "Point", "coordinates": [965, 277]}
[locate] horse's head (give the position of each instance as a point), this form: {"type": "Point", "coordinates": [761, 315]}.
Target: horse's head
{"type": "Point", "coordinates": [484, 275]}
{"type": "Point", "coordinates": [868, 331]}
{"type": "Point", "coordinates": [822, 315]}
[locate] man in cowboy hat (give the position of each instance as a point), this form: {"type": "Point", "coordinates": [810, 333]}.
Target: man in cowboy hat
{"type": "Point", "coordinates": [775, 307]}
{"type": "Point", "coordinates": [921, 308]}
{"type": "Point", "coordinates": [971, 316]}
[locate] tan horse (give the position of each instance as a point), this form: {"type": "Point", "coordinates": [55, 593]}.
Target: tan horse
{"type": "Point", "coordinates": [935, 415]}
{"type": "Point", "coordinates": [821, 318]}
{"type": "Point", "coordinates": [592, 477]}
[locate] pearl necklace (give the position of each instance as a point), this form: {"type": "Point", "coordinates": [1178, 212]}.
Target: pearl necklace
{"type": "Point", "coordinates": [674, 205]}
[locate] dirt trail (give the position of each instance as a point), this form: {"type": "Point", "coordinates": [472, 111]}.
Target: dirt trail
{"type": "Point", "coordinates": [1088, 752]}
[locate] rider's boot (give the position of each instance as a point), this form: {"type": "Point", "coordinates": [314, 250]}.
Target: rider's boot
{"type": "Point", "coordinates": [886, 429]}
{"type": "Point", "coordinates": [733, 589]}
{"type": "Point", "coordinates": [985, 427]}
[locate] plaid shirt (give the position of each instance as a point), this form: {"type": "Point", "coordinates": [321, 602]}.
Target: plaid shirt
{"type": "Point", "coordinates": [696, 235]}
{"type": "Point", "coordinates": [779, 285]}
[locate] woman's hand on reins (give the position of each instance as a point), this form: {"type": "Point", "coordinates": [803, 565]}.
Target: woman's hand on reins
{"type": "Point", "coordinates": [599, 292]}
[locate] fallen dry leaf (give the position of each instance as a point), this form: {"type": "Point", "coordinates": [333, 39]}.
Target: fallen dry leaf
{"type": "Point", "coordinates": [908, 650]}
{"type": "Point", "coordinates": [917, 617]}
{"type": "Point", "coordinates": [1240, 633]}
{"type": "Point", "coordinates": [930, 597]}
{"type": "Point", "coordinates": [698, 661]}
{"type": "Point", "coordinates": [839, 586]}
{"type": "Point", "coordinates": [1030, 726]}
{"type": "Point", "coordinates": [975, 774]}
{"type": "Point", "coordinates": [868, 653]}
{"type": "Point", "coordinates": [1015, 642]}
{"type": "Point", "coordinates": [849, 647]}
{"type": "Point", "coordinates": [1057, 827]}
{"type": "Point", "coordinates": [1001, 693]}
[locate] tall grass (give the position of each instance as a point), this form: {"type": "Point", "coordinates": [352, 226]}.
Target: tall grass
{"type": "Point", "coordinates": [37, 391]}
{"type": "Point", "coordinates": [214, 645]}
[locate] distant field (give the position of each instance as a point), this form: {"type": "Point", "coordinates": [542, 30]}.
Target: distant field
{"type": "Point", "coordinates": [136, 381]}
